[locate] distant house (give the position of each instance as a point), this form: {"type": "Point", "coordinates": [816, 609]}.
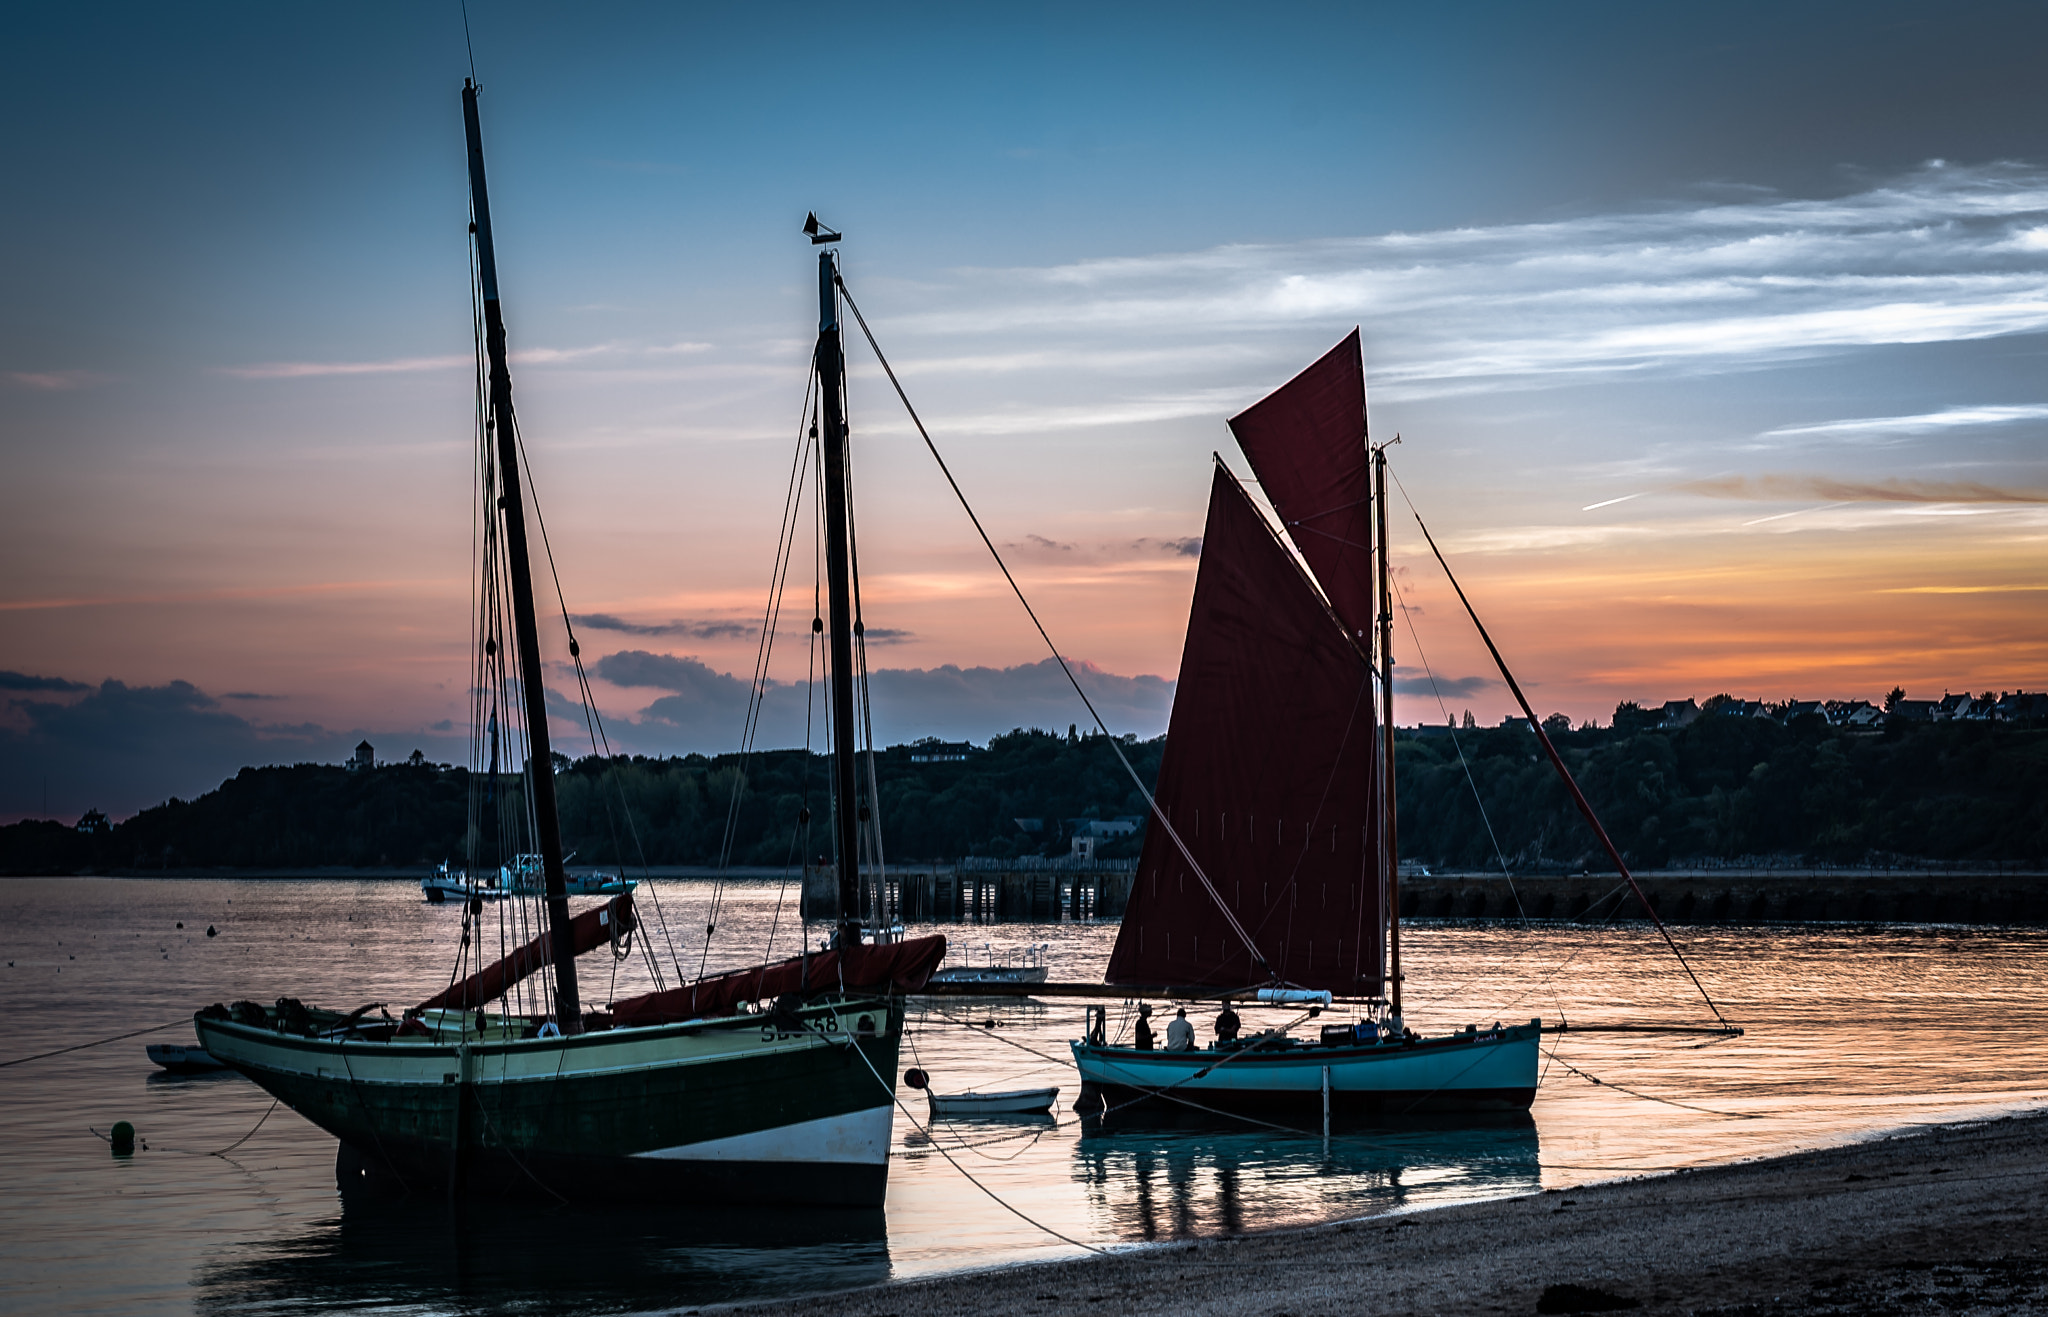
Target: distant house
{"type": "Point", "coordinates": [2021, 707]}
{"type": "Point", "coordinates": [1438, 729]}
{"type": "Point", "coordinates": [1676, 714]}
{"type": "Point", "coordinates": [1801, 709]}
{"type": "Point", "coordinates": [1090, 833]}
{"type": "Point", "coordinates": [1852, 713]}
{"type": "Point", "coordinates": [92, 823]}
{"type": "Point", "coordinates": [366, 757]}
{"type": "Point", "coordinates": [1915, 711]}
{"type": "Point", "coordinates": [931, 750]}
{"type": "Point", "coordinates": [1951, 707]}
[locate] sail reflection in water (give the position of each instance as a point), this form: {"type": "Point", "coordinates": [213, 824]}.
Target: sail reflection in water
{"type": "Point", "coordinates": [406, 1254]}
{"type": "Point", "coordinates": [1180, 1184]}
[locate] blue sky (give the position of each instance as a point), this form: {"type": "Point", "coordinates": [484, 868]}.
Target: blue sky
{"type": "Point", "coordinates": [1714, 337]}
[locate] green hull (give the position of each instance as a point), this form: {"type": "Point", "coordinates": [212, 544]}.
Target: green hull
{"type": "Point", "coordinates": [719, 1110]}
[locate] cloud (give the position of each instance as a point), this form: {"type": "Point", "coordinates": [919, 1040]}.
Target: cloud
{"type": "Point", "coordinates": [1939, 254]}
{"type": "Point", "coordinates": [54, 381]}
{"type": "Point", "coordinates": [123, 748]}
{"type": "Point", "coordinates": [684, 627]}
{"type": "Point", "coordinates": [1188, 547]}
{"type": "Point", "coordinates": [296, 370]}
{"type": "Point", "coordinates": [18, 681]}
{"type": "Point", "coordinates": [1775, 488]}
{"type": "Point", "coordinates": [1447, 686]}
{"type": "Point", "coordinates": [1925, 423]}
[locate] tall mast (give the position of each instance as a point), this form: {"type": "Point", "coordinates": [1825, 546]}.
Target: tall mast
{"type": "Point", "coordinates": [1389, 839]}
{"type": "Point", "coordinates": [831, 365]}
{"type": "Point", "coordinates": [541, 768]}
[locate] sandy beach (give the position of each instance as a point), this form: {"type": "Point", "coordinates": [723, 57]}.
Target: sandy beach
{"type": "Point", "coordinates": [1945, 1220]}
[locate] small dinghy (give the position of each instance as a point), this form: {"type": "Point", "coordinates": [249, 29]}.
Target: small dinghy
{"type": "Point", "coordinates": [1015, 1102]}
{"type": "Point", "coordinates": [182, 1060]}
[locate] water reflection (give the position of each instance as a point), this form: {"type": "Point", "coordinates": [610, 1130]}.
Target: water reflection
{"type": "Point", "coordinates": [483, 1258]}
{"type": "Point", "coordinates": [1162, 1183]}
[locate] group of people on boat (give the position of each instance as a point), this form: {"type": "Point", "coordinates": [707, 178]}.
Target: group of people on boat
{"type": "Point", "coordinates": [1180, 1032]}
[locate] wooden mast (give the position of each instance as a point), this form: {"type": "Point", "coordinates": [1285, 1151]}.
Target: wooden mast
{"type": "Point", "coordinates": [831, 365]}
{"type": "Point", "coordinates": [1389, 843]}
{"type": "Point", "coordinates": [500, 421]}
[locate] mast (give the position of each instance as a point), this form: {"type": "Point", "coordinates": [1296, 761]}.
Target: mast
{"type": "Point", "coordinates": [1389, 841]}
{"type": "Point", "coordinates": [541, 766]}
{"type": "Point", "coordinates": [831, 365]}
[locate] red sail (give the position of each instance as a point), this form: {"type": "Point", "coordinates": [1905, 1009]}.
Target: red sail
{"type": "Point", "coordinates": [1306, 444]}
{"type": "Point", "coordinates": [900, 967]}
{"type": "Point", "coordinates": [588, 931]}
{"type": "Point", "coordinates": [1269, 778]}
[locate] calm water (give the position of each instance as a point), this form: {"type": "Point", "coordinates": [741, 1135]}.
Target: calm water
{"type": "Point", "coordinates": [1852, 1031]}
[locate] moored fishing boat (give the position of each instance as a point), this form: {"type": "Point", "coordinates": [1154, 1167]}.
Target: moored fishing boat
{"type": "Point", "coordinates": [690, 1089]}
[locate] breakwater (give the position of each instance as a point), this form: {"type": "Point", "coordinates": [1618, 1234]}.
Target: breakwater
{"type": "Point", "coordinates": [986, 891]}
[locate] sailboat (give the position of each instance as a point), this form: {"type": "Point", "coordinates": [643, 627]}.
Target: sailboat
{"type": "Point", "coordinates": [1269, 867]}
{"type": "Point", "coordinates": [693, 1091]}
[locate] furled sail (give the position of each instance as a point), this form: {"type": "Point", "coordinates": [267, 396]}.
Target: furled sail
{"type": "Point", "coordinates": [898, 967]}
{"type": "Point", "coordinates": [1306, 444]}
{"type": "Point", "coordinates": [1269, 777]}
{"type": "Point", "coordinates": [587, 932]}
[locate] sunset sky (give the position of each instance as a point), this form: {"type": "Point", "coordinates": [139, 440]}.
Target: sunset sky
{"type": "Point", "coordinates": [1714, 337]}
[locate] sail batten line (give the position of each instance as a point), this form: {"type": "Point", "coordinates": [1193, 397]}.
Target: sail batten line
{"type": "Point", "coordinates": [1151, 804]}
{"type": "Point", "coordinates": [1557, 762]}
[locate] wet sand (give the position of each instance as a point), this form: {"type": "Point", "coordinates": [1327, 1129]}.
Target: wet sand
{"type": "Point", "coordinates": [1950, 1220]}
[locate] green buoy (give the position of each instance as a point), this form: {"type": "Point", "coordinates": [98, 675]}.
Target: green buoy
{"type": "Point", "coordinates": [123, 1139]}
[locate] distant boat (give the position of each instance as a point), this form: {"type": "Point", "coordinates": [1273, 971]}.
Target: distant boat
{"type": "Point", "coordinates": [1033, 970]}
{"type": "Point", "coordinates": [1268, 870]}
{"type": "Point", "coordinates": [1014, 1102]}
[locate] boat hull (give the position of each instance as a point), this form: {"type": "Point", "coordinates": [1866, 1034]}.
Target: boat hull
{"type": "Point", "coordinates": [738, 1108]}
{"type": "Point", "coordinates": [1477, 1074]}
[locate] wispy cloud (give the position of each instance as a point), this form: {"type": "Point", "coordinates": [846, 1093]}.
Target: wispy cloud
{"type": "Point", "coordinates": [1941, 254]}
{"type": "Point", "coordinates": [295, 370]}
{"type": "Point", "coordinates": [1964, 589]}
{"type": "Point", "coordinates": [1778, 488]}
{"type": "Point", "coordinates": [684, 628]}
{"type": "Point", "coordinates": [1948, 418]}
{"type": "Point", "coordinates": [53, 381]}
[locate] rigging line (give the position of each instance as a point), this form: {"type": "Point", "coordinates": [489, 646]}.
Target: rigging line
{"type": "Point", "coordinates": [778, 577]}
{"type": "Point", "coordinates": [1557, 762]}
{"type": "Point", "coordinates": [1151, 804]}
{"type": "Point", "coordinates": [98, 1042]}
{"type": "Point", "coordinates": [466, 43]}
{"type": "Point", "coordinates": [1457, 744]}
{"type": "Point", "coordinates": [1647, 1097]}
{"type": "Point", "coordinates": [890, 1089]}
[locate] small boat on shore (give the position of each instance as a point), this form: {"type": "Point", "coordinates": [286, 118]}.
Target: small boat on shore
{"type": "Point", "coordinates": [180, 1059]}
{"type": "Point", "coordinates": [1013, 1102]}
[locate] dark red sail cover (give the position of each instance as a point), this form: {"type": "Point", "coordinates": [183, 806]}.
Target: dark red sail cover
{"type": "Point", "coordinates": [1269, 777]}
{"type": "Point", "coordinates": [1306, 444]}
{"type": "Point", "coordinates": [587, 932]}
{"type": "Point", "coordinates": [899, 967]}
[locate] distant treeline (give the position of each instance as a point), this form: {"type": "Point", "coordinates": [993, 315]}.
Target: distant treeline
{"type": "Point", "coordinates": [1723, 788]}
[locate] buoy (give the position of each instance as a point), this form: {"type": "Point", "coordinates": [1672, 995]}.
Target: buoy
{"type": "Point", "coordinates": [916, 1078]}
{"type": "Point", "coordinates": [123, 1138]}
{"type": "Point", "coordinates": [210, 931]}
{"type": "Point", "coordinates": [181, 923]}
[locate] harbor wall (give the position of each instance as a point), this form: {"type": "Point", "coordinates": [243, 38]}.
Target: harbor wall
{"type": "Point", "coordinates": [949, 894]}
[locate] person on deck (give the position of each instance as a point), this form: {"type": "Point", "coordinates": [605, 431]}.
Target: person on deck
{"type": "Point", "coordinates": [1180, 1035]}
{"type": "Point", "coordinates": [1144, 1040]}
{"type": "Point", "coordinates": [1227, 1025]}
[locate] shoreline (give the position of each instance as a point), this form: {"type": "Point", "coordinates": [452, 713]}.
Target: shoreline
{"type": "Point", "coordinates": [1952, 1218]}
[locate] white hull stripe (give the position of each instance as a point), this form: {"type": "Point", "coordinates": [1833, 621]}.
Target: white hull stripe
{"type": "Point", "coordinates": [861, 1138]}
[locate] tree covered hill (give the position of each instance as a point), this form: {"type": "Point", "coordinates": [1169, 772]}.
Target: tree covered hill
{"type": "Point", "coordinates": [1724, 787]}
